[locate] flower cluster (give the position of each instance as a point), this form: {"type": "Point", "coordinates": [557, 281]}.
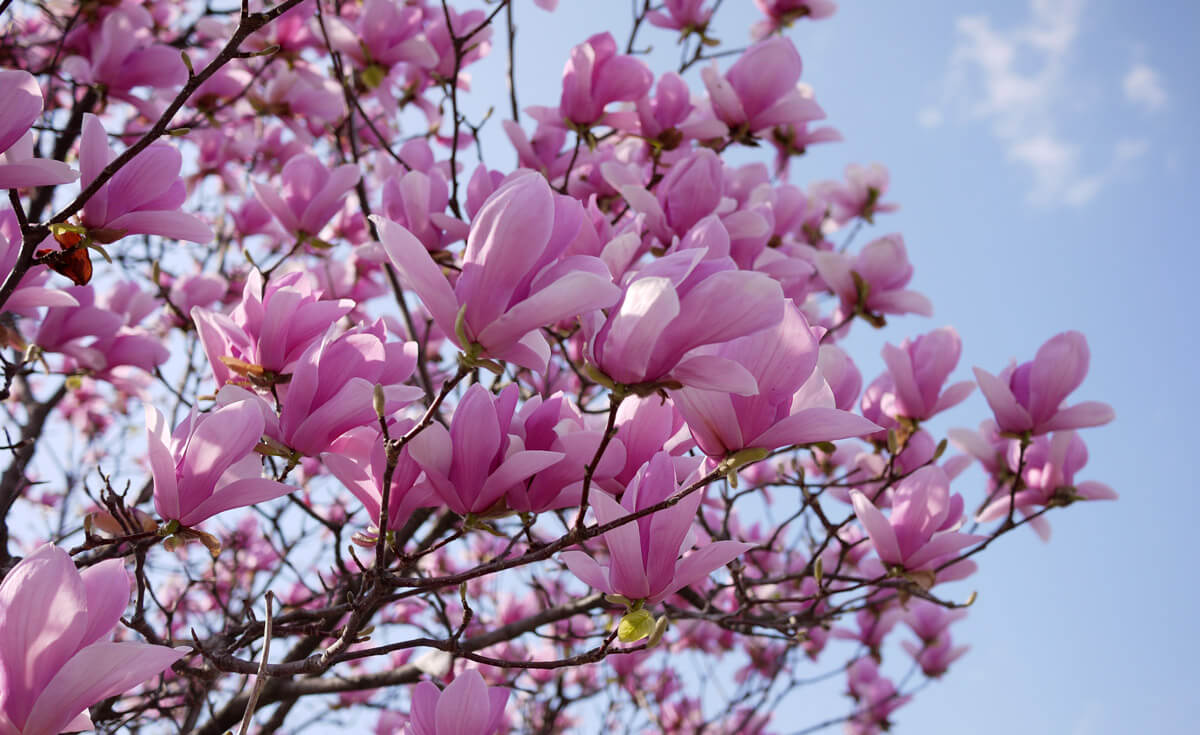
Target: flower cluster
{"type": "Point", "coordinates": [472, 436]}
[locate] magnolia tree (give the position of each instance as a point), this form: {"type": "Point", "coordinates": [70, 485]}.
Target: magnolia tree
{"type": "Point", "coordinates": [348, 427]}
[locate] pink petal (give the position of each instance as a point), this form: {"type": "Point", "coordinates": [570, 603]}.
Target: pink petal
{"type": "Point", "coordinates": [878, 528]}
{"type": "Point", "coordinates": [107, 587]}
{"type": "Point", "coordinates": [814, 425]}
{"type": "Point", "coordinates": [420, 273]}
{"type": "Point", "coordinates": [635, 330]}
{"type": "Point", "coordinates": [463, 707]}
{"type": "Point", "coordinates": [901, 302]}
{"type": "Point", "coordinates": [43, 601]}
{"type": "Point", "coordinates": [1079, 416]}
{"type": "Point", "coordinates": [35, 172]}
{"type": "Point", "coordinates": [941, 545]}
{"type": "Point", "coordinates": [668, 529]}
{"type": "Point", "coordinates": [711, 418]}
{"type": "Point", "coordinates": [424, 707]}
{"type": "Point", "coordinates": [567, 297]}
{"type": "Point", "coordinates": [22, 104]}
{"type": "Point", "coordinates": [221, 438]}
{"type": "Point", "coordinates": [710, 372]}
{"type": "Point", "coordinates": [1059, 367]}
{"type": "Point", "coordinates": [237, 494]}
{"type": "Point", "coordinates": [275, 204]}
{"type": "Point", "coordinates": [162, 464]}
{"type": "Point", "coordinates": [172, 225]}
{"type": "Point", "coordinates": [699, 564]}
{"type": "Point", "coordinates": [1096, 491]}
{"type": "Point", "coordinates": [726, 305]}
{"type": "Point", "coordinates": [517, 468]}
{"type": "Point", "coordinates": [953, 395]}
{"type": "Point", "coordinates": [627, 568]}
{"type": "Point", "coordinates": [97, 672]}
{"type": "Point", "coordinates": [587, 569]}
{"type": "Point", "coordinates": [1010, 415]}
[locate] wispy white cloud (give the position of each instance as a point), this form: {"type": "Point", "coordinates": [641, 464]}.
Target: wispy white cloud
{"type": "Point", "coordinates": [1015, 80]}
{"type": "Point", "coordinates": [1144, 88]}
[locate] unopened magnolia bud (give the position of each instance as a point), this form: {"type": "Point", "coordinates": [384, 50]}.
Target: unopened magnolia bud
{"type": "Point", "coordinates": [635, 626]}
{"type": "Point", "coordinates": [379, 401]}
{"type": "Point", "coordinates": [373, 76]}
{"type": "Point", "coordinates": [660, 627]}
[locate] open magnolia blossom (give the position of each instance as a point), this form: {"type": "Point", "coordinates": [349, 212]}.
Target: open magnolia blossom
{"type": "Point", "coordinates": [56, 659]}
{"type": "Point", "coordinates": [644, 561]}
{"type": "Point", "coordinates": [572, 443]}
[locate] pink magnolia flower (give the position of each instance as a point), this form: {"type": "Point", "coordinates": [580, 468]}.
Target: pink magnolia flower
{"type": "Point", "coordinates": [645, 427]}
{"type": "Point", "coordinates": [543, 152]}
{"type": "Point", "coordinates": [438, 34]}
{"type": "Point", "coordinates": [271, 327]}
{"type": "Point", "coordinates": [417, 202]}
{"type": "Point", "coordinates": [305, 99]}
{"type": "Point", "coordinates": [22, 105]}
{"type": "Point", "coordinates": [782, 13]}
{"type": "Point", "coordinates": [120, 54]}
{"type": "Point", "coordinates": [935, 657]}
{"type": "Point", "coordinates": [515, 277]}
{"type": "Point", "coordinates": [142, 198]}
{"type": "Point", "coordinates": [644, 561]}
{"type": "Point", "coordinates": [930, 620]}
{"type": "Point", "coordinates": [873, 627]}
{"type": "Point", "coordinates": [986, 446]}
{"type": "Point", "coordinates": [759, 91]}
{"type": "Point", "coordinates": [468, 706]}
{"type": "Point", "coordinates": [861, 194]}
{"type": "Point", "coordinates": [670, 118]}
{"type": "Point", "coordinates": [842, 375]}
{"type": "Point", "coordinates": [876, 695]}
{"type": "Point", "coordinates": [793, 139]}
{"type": "Point", "coordinates": [1049, 477]}
{"type": "Point", "coordinates": [597, 75]}
{"type": "Point", "coordinates": [674, 305]}
{"type": "Point", "coordinates": [333, 386]}
{"type": "Point", "coordinates": [309, 194]}
{"type": "Point", "coordinates": [55, 659]}
{"type": "Point", "coordinates": [555, 425]}
{"type": "Point", "coordinates": [208, 465]}
{"type": "Point", "coordinates": [193, 290]}
{"type": "Point", "coordinates": [100, 336]}
{"type": "Point", "coordinates": [1029, 397]}
{"type": "Point", "coordinates": [386, 33]}
{"type": "Point", "coordinates": [922, 531]}
{"type": "Point", "coordinates": [919, 369]}
{"type": "Point", "coordinates": [884, 270]}
{"type": "Point", "coordinates": [689, 192]}
{"type": "Point", "coordinates": [473, 464]}
{"type": "Point", "coordinates": [681, 15]}
{"type": "Point", "coordinates": [793, 404]}
{"type": "Point", "coordinates": [358, 461]}
{"type": "Point", "coordinates": [879, 405]}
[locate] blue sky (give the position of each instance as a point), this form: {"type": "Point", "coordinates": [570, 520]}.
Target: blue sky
{"type": "Point", "coordinates": [1043, 154]}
